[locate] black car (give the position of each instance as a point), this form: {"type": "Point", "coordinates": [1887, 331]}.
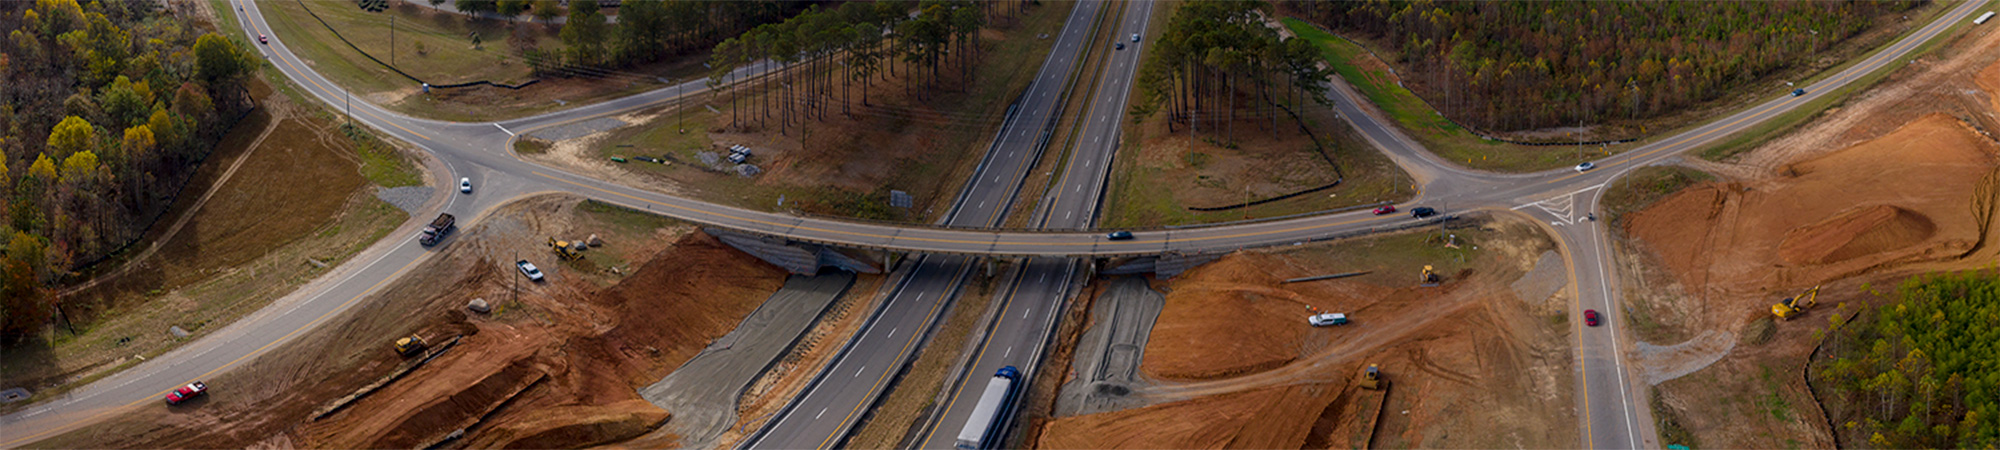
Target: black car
{"type": "Point", "coordinates": [1120, 46]}
{"type": "Point", "coordinates": [1422, 212]}
{"type": "Point", "coordinates": [1119, 236]}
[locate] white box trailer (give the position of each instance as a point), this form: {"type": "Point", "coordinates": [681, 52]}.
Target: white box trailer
{"type": "Point", "coordinates": [985, 416]}
{"type": "Point", "coordinates": [1983, 18]}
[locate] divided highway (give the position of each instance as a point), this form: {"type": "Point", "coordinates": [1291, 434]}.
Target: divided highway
{"type": "Point", "coordinates": [1032, 300]}
{"type": "Point", "coordinates": [1613, 408]}
{"type": "Point", "coordinates": [837, 400]}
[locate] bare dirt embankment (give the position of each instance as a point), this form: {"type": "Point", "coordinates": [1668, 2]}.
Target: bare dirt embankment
{"type": "Point", "coordinates": [1873, 191]}
{"type": "Point", "coordinates": [557, 367]}
{"type": "Point", "coordinates": [1232, 363]}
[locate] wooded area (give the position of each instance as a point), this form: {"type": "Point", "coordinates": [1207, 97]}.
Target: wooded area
{"type": "Point", "coordinates": [1924, 371]}
{"type": "Point", "coordinates": [647, 30]}
{"type": "Point", "coordinates": [108, 108]}
{"type": "Point", "coordinates": [1528, 65]}
{"type": "Point", "coordinates": [1211, 45]}
{"type": "Point", "coordinates": [866, 39]}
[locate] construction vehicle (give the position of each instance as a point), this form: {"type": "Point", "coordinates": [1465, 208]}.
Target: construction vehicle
{"type": "Point", "coordinates": [1371, 378]}
{"type": "Point", "coordinates": [410, 345]}
{"type": "Point", "coordinates": [1429, 278]}
{"type": "Point", "coordinates": [567, 250]}
{"type": "Point", "coordinates": [1795, 306]}
{"type": "Point", "coordinates": [436, 230]}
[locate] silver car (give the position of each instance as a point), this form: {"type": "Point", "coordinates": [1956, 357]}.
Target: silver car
{"type": "Point", "coordinates": [528, 268]}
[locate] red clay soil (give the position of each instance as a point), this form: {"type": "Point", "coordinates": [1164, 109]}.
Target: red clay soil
{"type": "Point", "coordinates": [1896, 199]}
{"type": "Point", "coordinates": [1272, 417]}
{"type": "Point", "coordinates": [1859, 231]}
{"type": "Point", "coordinates": [1225, 298]}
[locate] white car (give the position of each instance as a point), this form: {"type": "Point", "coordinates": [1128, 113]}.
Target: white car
{"type": "Point", "coordinates": [528, 268]}
{"type": "Point", "coordinates": [465, 185]}
{"type": "Point", "coordinates": [1321, 320]}
{"type": "Point", "coordinates": [1585, 167]}
{"type": "Point", "coordinates": [1135, 37]}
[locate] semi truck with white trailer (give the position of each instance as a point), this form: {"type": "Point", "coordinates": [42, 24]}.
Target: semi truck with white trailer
{"type": "Point", "coordinates": [985, 423]}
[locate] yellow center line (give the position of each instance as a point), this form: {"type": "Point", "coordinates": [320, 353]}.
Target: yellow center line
{"type": "Point", "coordinates": [225, 366]}
{"type": "Point", "coordinates": [1016, 290]}
{"type": "Point", "coordinates": [899, 356]}
{"type": "Point", "coordinates": [956, 241]}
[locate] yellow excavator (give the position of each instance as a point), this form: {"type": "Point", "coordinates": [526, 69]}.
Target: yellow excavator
{"type": "Point", "coordinates": [1371, 378]}
{"type": "Point", "coordinates": [1795, 306]}
{"type": "Point", "coordinates": [1429, 278]}
{"type": "Point", "coordinates": [565, 249]}
{"type": "Point", "coordinates": [410, 345]}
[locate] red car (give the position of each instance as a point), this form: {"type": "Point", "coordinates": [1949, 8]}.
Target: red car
{"type": "Point", "coordinates": [192, 390]}
{"type": "Point", "coordinates": [262, 40]}
{"type": "Point", "coordinates": [1385, 210]}
{"type": "Point", "coordinates": [1590, 317]}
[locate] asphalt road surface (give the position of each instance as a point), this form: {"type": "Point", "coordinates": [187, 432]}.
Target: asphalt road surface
{"type": "Point", "coordinates": [834, 403]}
{"type": "Point", "coordinates": [1615, 412]}
{"type": "Point", "coordinates": [1032, 301]}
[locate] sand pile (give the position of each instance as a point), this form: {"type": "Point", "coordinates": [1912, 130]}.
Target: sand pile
{"type": "Point", "coordinates": [1862, 230]}
{"type": "Point", "coordinates": [1222, 319]}
{"type": "Point", "coordinates": [1272, 417]}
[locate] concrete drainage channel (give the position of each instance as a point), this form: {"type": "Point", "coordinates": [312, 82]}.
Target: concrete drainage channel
{"type": "Point", "coordinates": [703, 393]}
{"type": "Point", "coordinates": [1108, 354]}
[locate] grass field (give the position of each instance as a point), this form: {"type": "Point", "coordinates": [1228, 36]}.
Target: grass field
{"type": "Point", "coordinates": [436, 47]}
{"type": "Point", "coordinates": [1158, 176]}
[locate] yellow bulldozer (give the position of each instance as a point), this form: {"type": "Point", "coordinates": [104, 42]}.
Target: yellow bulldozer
{"type": "Point", "coordinates": [410, 345]}
{"type": "Point", "coordinates": [1796, 306]}
{"type": "Point", "coordinates": [565, 249]}
{"type": "Point", "coordinates": [1371, 378]}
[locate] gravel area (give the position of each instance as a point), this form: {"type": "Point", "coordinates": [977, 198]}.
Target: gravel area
{"type": "Point", "coordinates": [1541, 283]}
{"type": "Point", "coordinates": [1660, 363]}
{"type": "Point", "coordinates": [409, 198]}
{"type": "Point", "coordinates": [579, 129]}
{"type": "Point", "coordinates": [1108, 354]}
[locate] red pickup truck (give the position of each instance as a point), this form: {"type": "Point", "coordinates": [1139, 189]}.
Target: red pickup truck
{"type": "Point", "coordinates": [186, 392]}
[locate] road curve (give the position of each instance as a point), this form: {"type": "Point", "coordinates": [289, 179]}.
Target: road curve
{"type": "Point", "coordinates": [479, 150]}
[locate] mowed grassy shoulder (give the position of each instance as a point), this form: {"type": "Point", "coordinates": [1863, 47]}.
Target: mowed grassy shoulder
{"type": "Point", "coordinates": [432, 46]}
{"type": "Point", "coordinates": [1424, 124]}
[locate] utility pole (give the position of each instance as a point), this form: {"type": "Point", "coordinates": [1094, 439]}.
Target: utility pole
{"type": "Point", "coordinates": [348, 99]}
{"type": "Point", "coordinates": [517, 279]}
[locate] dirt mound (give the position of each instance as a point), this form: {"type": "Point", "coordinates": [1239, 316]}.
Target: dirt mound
{"type": "Point", "coordinates": [451, 392]}
{"type": "Point", "coordinates": [572, 426]}
{"type": "Point", "coordinates": [1221, 320]}
{"type": "Point", "coordinates": [1748, 241]}
{"type": "Point", "coordinates": [1859, 231]}
{"type": "Point", "coordinates": [1273, 417]}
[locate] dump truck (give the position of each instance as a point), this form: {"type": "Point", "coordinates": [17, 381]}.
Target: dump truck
{"type": "Point", "coordinates": [410, 346]}
{"type": "Point", "coordinates": [1371, 378]}
{"type": "Point", "coordinates": [436, 230]}
{"type": "Point", "coordinates": [1795, 306]}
